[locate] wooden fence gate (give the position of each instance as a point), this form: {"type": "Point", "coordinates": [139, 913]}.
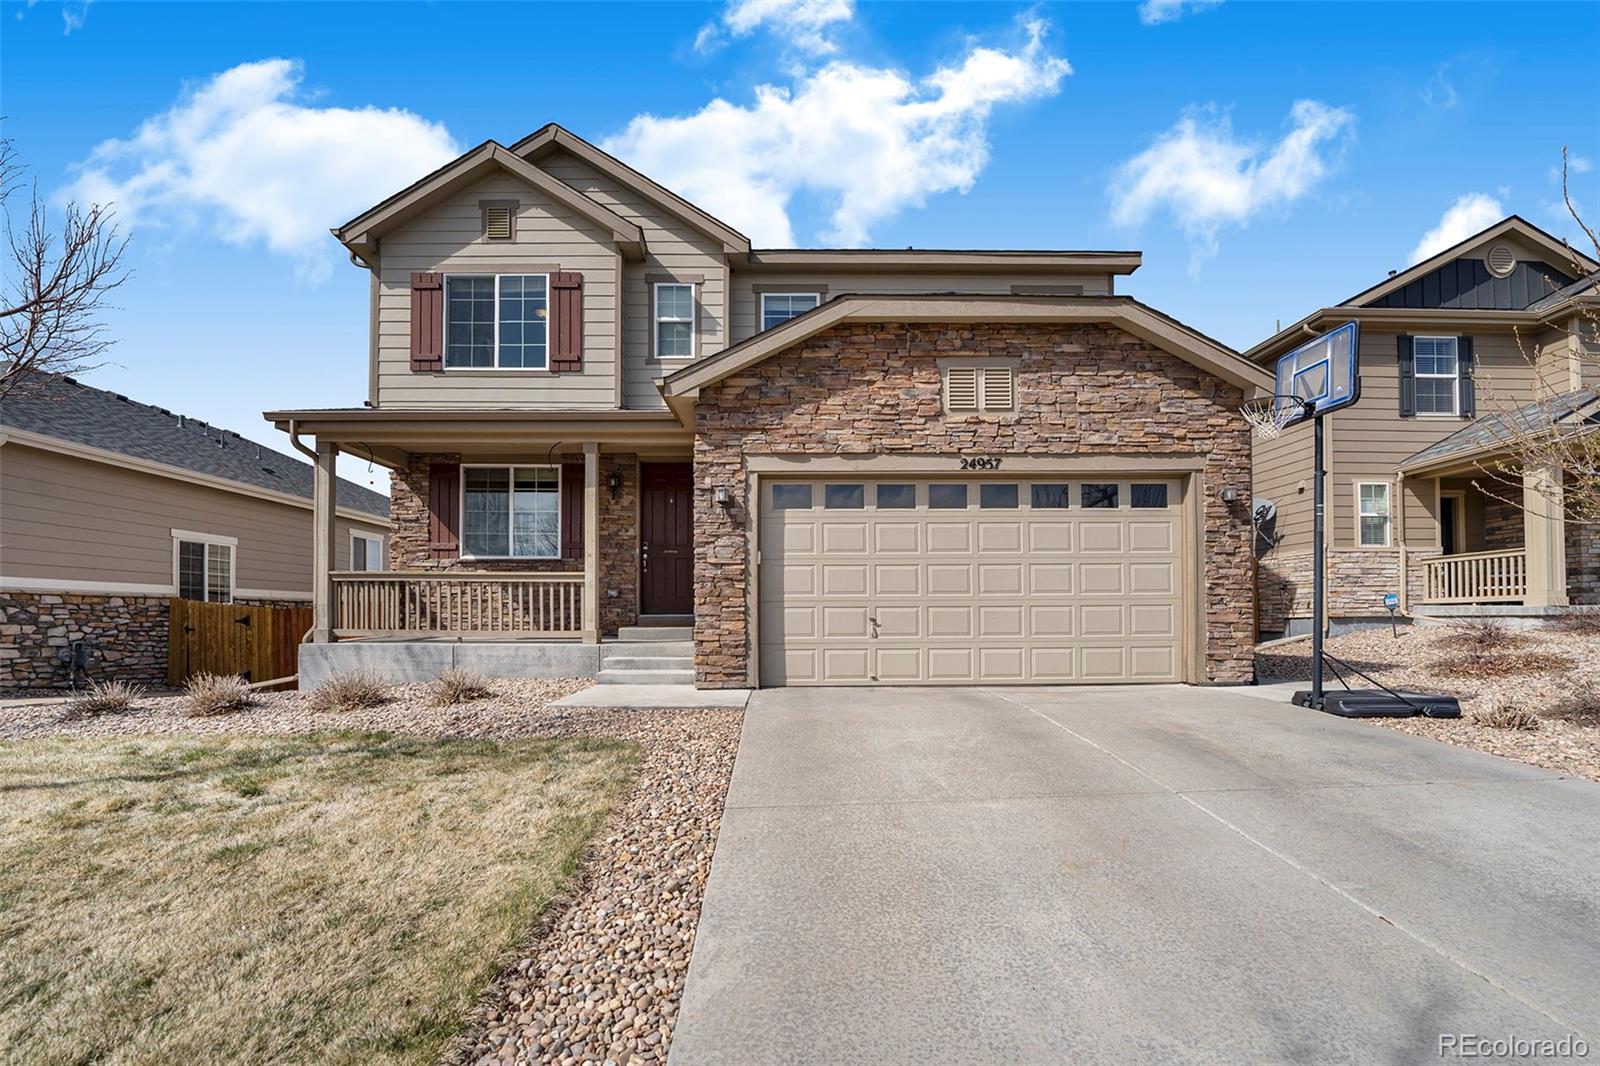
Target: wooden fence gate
{"type": "Point", "coordinates": [261, 643]}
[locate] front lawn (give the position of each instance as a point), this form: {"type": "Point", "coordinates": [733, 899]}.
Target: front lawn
{"type": "Point", "coordinates": [329, 898]}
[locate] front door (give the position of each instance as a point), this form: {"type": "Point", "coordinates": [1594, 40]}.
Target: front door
{"type": "Point", "coordinates": [666, 539]}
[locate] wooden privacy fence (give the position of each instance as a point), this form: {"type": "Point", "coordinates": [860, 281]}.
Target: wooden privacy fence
{"type": "Point", "coordinates": [261, 643]}
{"type": "Point", "coordinates": [390, 603]}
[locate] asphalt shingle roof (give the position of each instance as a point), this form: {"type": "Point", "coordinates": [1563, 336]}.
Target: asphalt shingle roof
{"type": "Point", "coordinates": [69, 410]}
{"type": "Point", "coordinates": [1578, 408]}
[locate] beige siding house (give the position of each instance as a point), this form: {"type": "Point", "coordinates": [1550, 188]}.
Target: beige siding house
{"type": "Point", "coordinates": [1485, 330]}
{"type": "Point", "coordinates": [627, 443]}
{"type": "Point", "coordinates": [109, 508]}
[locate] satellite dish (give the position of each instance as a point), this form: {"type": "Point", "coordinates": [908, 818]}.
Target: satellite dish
{"type": "Point", "coordinates": [1265, 518]}
{"type": "Point", "coordinates": [1266, 512]}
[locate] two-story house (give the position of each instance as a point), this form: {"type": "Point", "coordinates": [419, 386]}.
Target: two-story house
{"type": "Point", "coordinates": [1425, 497]}
{"type": "Point", "coordinates": [607, 413]}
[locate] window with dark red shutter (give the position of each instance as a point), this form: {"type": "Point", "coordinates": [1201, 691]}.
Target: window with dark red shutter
{"type": "Point", "coordinates": [427, 322]}
{"type": "Point", "coordinates": [444, 511]}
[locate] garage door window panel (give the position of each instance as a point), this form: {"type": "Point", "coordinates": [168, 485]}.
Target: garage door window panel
{"type": "Point", "coordinates": [1050, 497]}
{"type": "Point", "coordinates": [1148, 496]}
{"type": "Point", "coordinates": [943, 496]}
{"type": "Point", "coordinates": [896, 497]}
{"type": "Point", "coordinates": [791, 497]}
{"type": "Point", "coordinates": [1099, 495]}
{"type": "Point", "coordinates": [844, 497]}
{"type": "Point", "coordinates": [995, 496]}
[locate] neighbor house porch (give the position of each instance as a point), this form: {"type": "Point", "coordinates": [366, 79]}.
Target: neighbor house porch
{"type": "Point", "coordinates": [507, 527]}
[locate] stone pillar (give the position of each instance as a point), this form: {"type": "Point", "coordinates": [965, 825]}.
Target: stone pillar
{"type": "Point", "coordinates": [1544, 536]}
{"type": "Point", "coordinates": [591, 543]}
{"type": "Point", "coordinates": [322, 535]}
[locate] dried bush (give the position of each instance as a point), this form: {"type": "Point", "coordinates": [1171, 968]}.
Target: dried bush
{"type": "Point", "coordinates": [349, 691]}
{"type": "Point", "coordinates": [211, 694]}
{"type": "Point", "coordinates": [1585, 621]}
{"type": "Point", "coordinates": [1506, 716]}
{"type": "Point", "coordinates": [1500, 664]}
{"type": "Point", "coordinates": [103, 697]}
{"type": "Point", "coordinates": [455, 685]}
{"type": "Point", "coordinates": [1581, 706]}
{"type": "Point", "coordinates": [1478, 636]}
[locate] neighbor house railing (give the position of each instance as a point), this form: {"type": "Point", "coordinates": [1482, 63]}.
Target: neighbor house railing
{"type": "Point", "coordinates": [1477, 577]}
{"type": "Point", "coordinates": [428, 603]}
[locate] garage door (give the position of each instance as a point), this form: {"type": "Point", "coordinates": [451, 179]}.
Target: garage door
{"type": "Point", "coordinates": [966, 582]}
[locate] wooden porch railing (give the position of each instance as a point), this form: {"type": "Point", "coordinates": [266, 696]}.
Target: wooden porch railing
{"type": "Point", "coordinates": [428, 603]}
{"type": "Point", "coordinates": [1477, 577]}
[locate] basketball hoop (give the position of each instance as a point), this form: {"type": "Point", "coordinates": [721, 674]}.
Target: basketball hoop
{"type": "Point", "coordinates": [1268, 415]}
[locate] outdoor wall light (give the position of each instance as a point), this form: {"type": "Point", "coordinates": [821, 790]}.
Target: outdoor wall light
{"type": "Point", "coordinates": [1228, 494]}
{"type": "Point", "coordinates": [614, 483]}
{"type": "Point", "coordinates": [720, 496]}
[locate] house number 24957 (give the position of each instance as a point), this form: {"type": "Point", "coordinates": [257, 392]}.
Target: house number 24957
{"type": "Point", "coordinates": [979, 462]}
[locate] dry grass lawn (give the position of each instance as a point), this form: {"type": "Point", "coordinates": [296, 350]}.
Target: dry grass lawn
{"type": "Point", "coordinates": [333, 898]}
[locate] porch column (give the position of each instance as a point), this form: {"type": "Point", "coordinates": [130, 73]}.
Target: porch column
{"type": "Point", "coordinates": [1544, 536]}
{"type": "Point", "coordinates": [591, 543]}
{"type": "Point", "coordinates": [322, 538]}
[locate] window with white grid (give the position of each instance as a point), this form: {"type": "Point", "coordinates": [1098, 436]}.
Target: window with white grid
{"type": "Point", "coordinates": [1438, 375]}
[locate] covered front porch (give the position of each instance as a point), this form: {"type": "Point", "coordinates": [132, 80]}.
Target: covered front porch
{"type": "Point", "coordinates": [507, 528]}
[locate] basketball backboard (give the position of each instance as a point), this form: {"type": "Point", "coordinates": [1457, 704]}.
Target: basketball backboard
{"type": "Point", "coordinates": [1324, 371]}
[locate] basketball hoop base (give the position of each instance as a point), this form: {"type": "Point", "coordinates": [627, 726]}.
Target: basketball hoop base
{"type": "Point", "coordinates": [1373, 703]}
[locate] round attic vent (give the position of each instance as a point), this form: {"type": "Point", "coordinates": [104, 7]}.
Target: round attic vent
{"type": "Point", "coordinates": [1502, 260]}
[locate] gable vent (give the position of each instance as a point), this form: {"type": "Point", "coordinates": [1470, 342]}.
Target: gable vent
{"type": "Point", "coordinates": [999, 388]}
{"type": "Point", "coordinates": [1502, 261]}
{"type": "Point", "coordinates": [497, 222]}
{"type": "Point", "coordinates": [961, 388]}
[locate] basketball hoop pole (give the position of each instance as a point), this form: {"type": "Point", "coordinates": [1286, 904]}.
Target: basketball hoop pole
{"type": "Point", "coordinates": [1318, 555]}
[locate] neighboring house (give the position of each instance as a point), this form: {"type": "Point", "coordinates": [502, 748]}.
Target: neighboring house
{"type": "Point", "coordinates": [605, 409]}
{"type": "Point", "coordinates": [1487, 330]}
{"type": "Point", "coordinates": [109, 507]}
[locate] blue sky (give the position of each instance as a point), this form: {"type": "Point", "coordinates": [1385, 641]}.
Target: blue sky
{"type": "Point", "coordinates": [1266, 158]}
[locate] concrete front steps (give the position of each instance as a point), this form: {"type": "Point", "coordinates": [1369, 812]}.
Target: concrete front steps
{"type": "Point", "coordinates": [651, 653]}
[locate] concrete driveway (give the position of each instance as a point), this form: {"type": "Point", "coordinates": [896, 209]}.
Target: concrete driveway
{"type": "Point", "coordinates": [1135, 874]}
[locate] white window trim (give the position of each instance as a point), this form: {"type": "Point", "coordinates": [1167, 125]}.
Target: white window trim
{"type": "Point", "coordinates": [693, 320]}
{"type": "Point", "coordinates": [1455, 391]}
{"type": "Point", "coordinates": [461, 509]}
{"type": "Point", "coordinates": [208, 539]}
{"type": "Point", "coordinates": [355, 535]}
{"type": "Point", "coordinates": [444, 346]}
{"type": "Point", "coordinates": [1388, 516]}
{"type": "Point", "coordinates": [815, 295]}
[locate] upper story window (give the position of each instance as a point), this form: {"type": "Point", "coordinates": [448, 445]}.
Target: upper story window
{"type": "Point", "coordinates": [1438, 375]}
{"type": "Point", "coordinates": [674, 320]}
{"type": "Point", "coordinates": [511, 512]}
{"type": "Point", "coordinates": [779, 307]}
{"type": "Point", "coordinates": [497, 320]}
{"type": "Point", "coordinates": [204, 566]}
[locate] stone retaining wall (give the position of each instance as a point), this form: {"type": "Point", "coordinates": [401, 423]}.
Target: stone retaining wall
{"type": "Point", "coordinates": [874, 388]}
{"type": "Point", "coordinates": [128, 634]}
{"type": "Point", "coordinates": [1357, 583]}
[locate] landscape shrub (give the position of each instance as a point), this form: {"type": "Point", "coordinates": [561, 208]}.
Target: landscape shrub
{"type": "Point", "coordinates": [1584, 621]}
{"type": "Point", "coordinates": [1485, 664]}
{"type": "Point", "coordinates": [103, 697]}
{"type": "Point", "coordinates": [349, 691]}
{"type": "Point", "coordinates": [1507, 716]}
{"type": "Point", "coordinates": [212, 694]}
{"type": "Point", "coordinates": [455, 685]}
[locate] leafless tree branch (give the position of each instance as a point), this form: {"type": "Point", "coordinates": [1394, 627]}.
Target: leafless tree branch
{"type": "Point", "coordinates": [55, 285]}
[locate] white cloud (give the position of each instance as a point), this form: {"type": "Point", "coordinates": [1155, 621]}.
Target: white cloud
{"type": "Point", "coordinates": [1205, 177]}
{"type": "Point", "coordinates": [1155, 12]}
{"type": "Point", "coordinates": [238, 152]}
{"type": "Point", "coordinates": [871, 140]}
{"type": "Point", "coordinates": [1440, 91]}
{"type": "Point", "coordinates": [805, 24]}
{"type": "Point", "coordinates": [73, 13]}
{"type": "Point", "coordinates": [1469, 214]}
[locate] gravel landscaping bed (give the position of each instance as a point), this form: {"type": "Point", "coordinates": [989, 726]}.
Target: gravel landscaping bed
{"type": "Point", "coordinates": [601, 979]}
{"type": "Point", "coordinates": [1551, 675]}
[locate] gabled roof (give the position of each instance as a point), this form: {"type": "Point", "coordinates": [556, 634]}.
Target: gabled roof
{"type": "Point", "coordinates": [1122, 311]}
{"type": "Point", "coordinates": [63, 409]}
{"type": "Point", "coordinates": [1556, 251]}
{"type": "Point", "coordinates": [358, 233]}
{"type": "Point", "coordinates": [965, 260]}
{"type": "Point", "coordinates": [1577, 411]}
{"type": "Point", "coordinates": [551, 137]}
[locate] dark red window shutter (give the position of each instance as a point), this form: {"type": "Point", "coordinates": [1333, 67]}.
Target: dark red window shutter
{"type": "Point", "coordinates": [444, 511]}
{"type": "Point", "coordinates": [566, 321]}
{"type": "Point", "coordinates": [572, 511]}
{"type": "Point", "coordinates": [427, 322]}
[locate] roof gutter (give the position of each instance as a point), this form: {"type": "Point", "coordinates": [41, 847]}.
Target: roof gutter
{"type": "Point", "coordinates": [294, 439]}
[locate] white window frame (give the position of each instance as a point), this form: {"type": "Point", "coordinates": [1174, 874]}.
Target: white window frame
{"type": "Point", "coordinates": [815, 295]}
{"type": "Point", "coordinates": [1455, 379]}
{"type": "Point", "coordinates": [549, 302]}
{"type": "Point", "coordinates": [1387, 516]}
{"type": "Point", "coordinates": [210, 540]}
{"type": "Point", "coordinates": [376, 538]}
{"type": "Point", "coordinates": [461, 507]}
{"type": "Point", "coordinates": [656, 320]}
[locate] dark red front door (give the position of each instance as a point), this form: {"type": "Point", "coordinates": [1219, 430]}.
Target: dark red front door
{"type": "Point", "coordinates": [666, 539]}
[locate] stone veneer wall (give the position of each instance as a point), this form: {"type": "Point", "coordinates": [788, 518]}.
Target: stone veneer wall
{"type": "Point", "coordinates": [1583, 564]}
{"type": "Point", "coordinates": [619, 534]}
{"type": "Point", "coordinates": [874, 388]}
{"type": "Point", "coordinates": [1357, 583]}
{"type": "Point", "coordinates": [1502, 525]}
{"type": "Point", "coordinates": [129, 635]}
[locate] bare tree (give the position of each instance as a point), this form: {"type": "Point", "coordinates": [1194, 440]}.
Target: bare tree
{"type": "Point", "coordinates": [1561, 429]}
{"type": "Point", "coordinates": [50, 309]}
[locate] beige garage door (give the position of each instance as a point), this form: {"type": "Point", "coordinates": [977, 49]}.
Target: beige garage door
{"type": "Point", "coordinates": [964, 582]}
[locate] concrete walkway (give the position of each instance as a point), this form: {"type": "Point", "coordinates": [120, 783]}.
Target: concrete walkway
{"type": "Point", "coordinates": [644, 697]}
{"type": "Point", "coordinates": [1131, 875]}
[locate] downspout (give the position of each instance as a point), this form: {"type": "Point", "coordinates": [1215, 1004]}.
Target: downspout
{"type": "Point", "coordinates": [294, 439]}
